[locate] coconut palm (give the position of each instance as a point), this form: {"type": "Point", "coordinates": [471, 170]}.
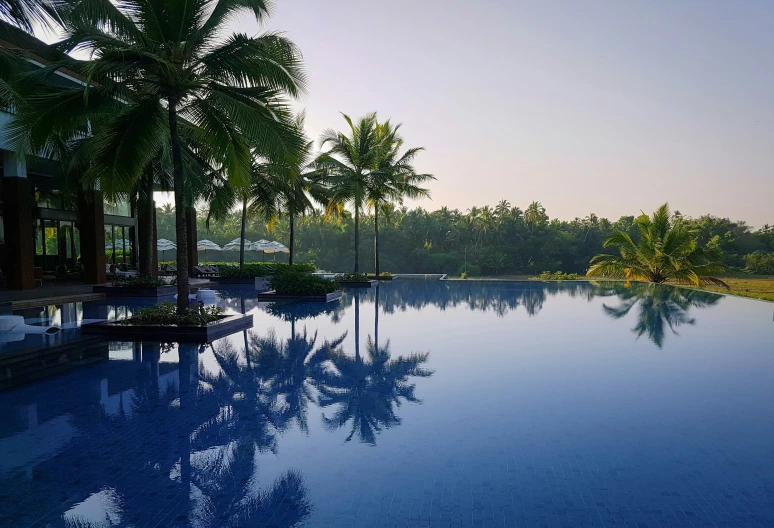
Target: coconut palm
{"type": "Point", "coordinates": [159, 70]}
{"type": "Point", "coordinates": [667, 251]}
{"type": "Point", "coordinates": [26, 14]}
{"type": "Point", "coordinates": [394, 177]}
{"type": "Point", "coordinates": [348, 162]}
{"type": "Point", "coordinates": [298, 182]}
{"type": "Point", "coordinates": [534, 215]}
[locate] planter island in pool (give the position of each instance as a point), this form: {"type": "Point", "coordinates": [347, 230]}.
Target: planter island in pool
{"type": "Point", "coordinates": [260, 283]}
{"type": "Point", "coordinates": [129, 291]}
{"type": "Point", "coordinates": [380, 277]}
{"type": "Point", "coordinates": [272, 296]}
{"type": "Point", "coordinates": [359, 284]}
{"type": "Point", "coordinates": [229, 324]}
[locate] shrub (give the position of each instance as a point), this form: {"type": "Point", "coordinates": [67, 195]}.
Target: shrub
{"type": "Point", "coordinates": [759, 263]}
{"type": "Point", "coordinates": [138, 282]}
{"type": "Point", "coordinates": [165, 314]}
{"type": "Point", "coordinates": [464, 275]}
{"type": "Point", "coordinates": [555, 276]}
{"type": "Point", "coordinates": [353, 277]}
{"type": "Point", "coordinates": [292, 282]}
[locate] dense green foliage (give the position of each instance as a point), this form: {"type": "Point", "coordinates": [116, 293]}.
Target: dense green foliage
{"type": "Point", "coordinates": [353, 277]}
{"type": "Point", "coordinates": [165, 314]}
{"type": "Point", "coordinates": [499, 240]}
{"type": "Point", "coordinates": [666, 250]}
{"type": "Point", "coordinates": [292, 282]}
{"type": "Point", "coordinates": [759, 263]}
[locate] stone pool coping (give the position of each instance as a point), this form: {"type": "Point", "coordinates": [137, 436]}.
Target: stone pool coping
{"type": "Point", "coordinates": [230, 324]}
{"type": "Point", "coordinates": [272, 296]}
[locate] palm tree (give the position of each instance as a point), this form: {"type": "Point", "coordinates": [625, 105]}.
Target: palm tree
{"type": "Point", "coordinates": [349, 161]}
{"type": "Point", "coordinates": [298, 181]}
{"type": "Point", "coordinates": [667, 251]}
{"type": "Point", "coordinates": [160, 72]}
{"type": "Point", "coordinates": [534, 215]}
{"type": "Point", "coordinates": [394, 177]}
{"type": "Point", "coordinates": [26, 14]}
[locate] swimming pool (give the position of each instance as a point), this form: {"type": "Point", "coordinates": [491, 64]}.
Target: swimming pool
{"type": "Point", "coordinates": [452, 404]}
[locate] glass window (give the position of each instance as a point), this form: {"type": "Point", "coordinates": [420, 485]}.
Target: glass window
{"type": "Point", "coordinates": [39, 237]}
{"type": "Point", "coordinates": [51, 234]}
{"type": "Point", "coordinates": [118, 209]}
{"type": "Point", "coordinates": [109, 251]}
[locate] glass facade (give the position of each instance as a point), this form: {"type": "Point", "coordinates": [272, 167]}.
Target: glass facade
{"type": "Point", "coordinates": [119, 245]}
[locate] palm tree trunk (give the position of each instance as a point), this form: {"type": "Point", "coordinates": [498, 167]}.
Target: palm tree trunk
{"type": "Point", "coordinates": [376, 238]}
{"type": "Point", "coordinates": [357, 237]}
{"type": "Point", "coordinates": [145, 226]}
{"type": "Point", "coordinates": [181, 231]}
{"type": "Point", "coordinates": [292, 237]}
{"type": "Point", "coordinates": [242, 240]}
{"type": "Point", "coordinates": [357, 326]}
{"type": "Point", "coordinates": [376, 318]}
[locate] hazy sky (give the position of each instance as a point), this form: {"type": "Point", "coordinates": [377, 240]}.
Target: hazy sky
{"type": "Point", "coordinates": [600, 106]}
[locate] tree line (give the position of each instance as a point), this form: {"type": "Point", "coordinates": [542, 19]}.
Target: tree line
{"type": "Point", "coordinates": [500, 240]}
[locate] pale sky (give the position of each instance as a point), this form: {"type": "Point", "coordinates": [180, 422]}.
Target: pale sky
{"type": "Point", "coordinates": [586, 106]}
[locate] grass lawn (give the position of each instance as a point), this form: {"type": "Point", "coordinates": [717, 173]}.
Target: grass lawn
{"type": "Point", "coordinates": [747, 286]}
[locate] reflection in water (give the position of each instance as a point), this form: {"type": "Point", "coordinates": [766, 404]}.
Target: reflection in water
{"type": "Point", "coordinates": [365, 391]}
{"type": "Point", "coordinates": [659, 307]}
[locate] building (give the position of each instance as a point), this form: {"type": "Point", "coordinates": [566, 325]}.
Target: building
{"type": "Point", "coordinates": [48, 233]}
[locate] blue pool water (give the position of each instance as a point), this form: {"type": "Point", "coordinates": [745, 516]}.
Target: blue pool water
{"type": "Point", "coordinates": [452, 404]}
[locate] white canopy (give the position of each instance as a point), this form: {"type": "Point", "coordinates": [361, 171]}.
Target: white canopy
{"type": "Point", "coordinates": [234, 245]}
{"type": "Point", "coordinates": [165, 245]}
{"type": "Point", "coordinates": [207, 245]}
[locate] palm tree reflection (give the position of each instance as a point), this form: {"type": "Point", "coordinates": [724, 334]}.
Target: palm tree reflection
{"type": "Point", "coordinates": [660, 308]}
{"type": "Point", "coordinates": [366, 390]}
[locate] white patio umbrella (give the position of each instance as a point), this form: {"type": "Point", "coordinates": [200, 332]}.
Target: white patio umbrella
{"type": "Point", "coordinates": [207, 245]}
{"type": "Point", "coordinates": [264, 246]}
{"type": "Point", "coordinates": [165, 245]}
{"type": "Point", "coordinates": [234, 245]}
{"type": "Point", "coordinates": [120, 244]}
{"type": "Point", "coordinates": [277, 247]}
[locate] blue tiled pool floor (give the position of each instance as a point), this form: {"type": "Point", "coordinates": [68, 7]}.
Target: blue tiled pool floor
{"type": "Point", "coordinates": [453, 404]}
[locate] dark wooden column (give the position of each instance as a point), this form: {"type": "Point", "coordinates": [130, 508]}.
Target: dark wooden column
{"type": "Point", "coordinates": [19, 233]}
{"type": "Point", "coordinates": [92, 226]}
{"type": "Point", "coordinates": [193, 255]}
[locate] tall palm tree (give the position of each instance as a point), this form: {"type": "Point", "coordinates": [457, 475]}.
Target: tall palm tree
{"type": "Point", "coordinates": [667, 251]}
{"type": "Point", "coordinates": [394, 177]}
{"type": "Point", "coordinates": [298, 181]}
{"type": "Point", "coordinates": [534, 215]}
{"type": "Point", "coordinates": [348, 162]}
{"type": "Point", "coordinates": [159, 70]}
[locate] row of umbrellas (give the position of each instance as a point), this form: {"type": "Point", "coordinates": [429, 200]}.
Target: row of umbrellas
{"type": "Point", "coordinates": [208, 245]}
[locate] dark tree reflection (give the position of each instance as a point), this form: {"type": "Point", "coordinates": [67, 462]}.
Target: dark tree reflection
{"type": "Point", "coordinates": [659, 308]}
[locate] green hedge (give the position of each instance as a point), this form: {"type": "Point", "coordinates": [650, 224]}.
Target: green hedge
{"type": "Point", "coordinates": [293, 282]}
